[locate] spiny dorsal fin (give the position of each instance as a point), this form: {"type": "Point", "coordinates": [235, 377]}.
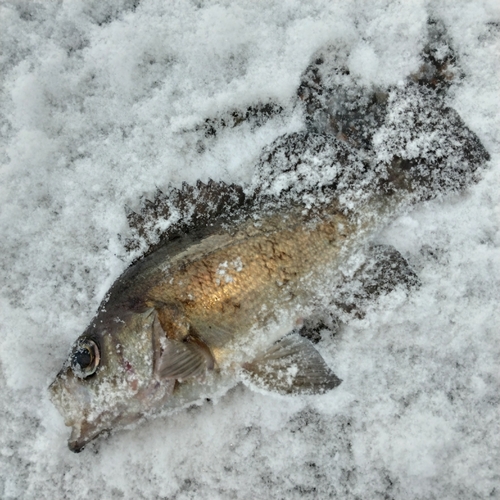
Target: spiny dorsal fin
{"type": "Point", "coordinates": [178, 210]}
{"type": "Point", "coordinates": [292, 366]}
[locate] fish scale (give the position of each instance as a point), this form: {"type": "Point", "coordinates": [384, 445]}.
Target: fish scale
{"type": "Point", "coordinates": [274, 261]}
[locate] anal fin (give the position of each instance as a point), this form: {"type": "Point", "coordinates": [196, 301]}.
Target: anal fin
{"type": "Point", "coordinates": [292, 366]}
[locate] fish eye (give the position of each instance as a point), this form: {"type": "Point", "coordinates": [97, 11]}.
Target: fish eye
{"type": "Point", "coordinates": [85, 358]}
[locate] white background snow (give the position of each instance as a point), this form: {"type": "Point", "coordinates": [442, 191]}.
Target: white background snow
{"type": "Point", "coordinates": [99, 100]}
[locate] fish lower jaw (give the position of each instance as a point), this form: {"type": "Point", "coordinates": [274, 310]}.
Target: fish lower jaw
{"type": "Point", "coordinates": [73, 442]}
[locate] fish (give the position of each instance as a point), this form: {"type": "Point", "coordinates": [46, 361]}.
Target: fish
{"type": "Point", "coordinates": [227, 274]}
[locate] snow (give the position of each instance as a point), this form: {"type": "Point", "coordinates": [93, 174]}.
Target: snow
{"type": "Point", "coordinates": [99, 106]}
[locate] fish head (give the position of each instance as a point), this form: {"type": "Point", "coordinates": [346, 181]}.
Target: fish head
{"type": "Point", "coordinates": [108, 378]}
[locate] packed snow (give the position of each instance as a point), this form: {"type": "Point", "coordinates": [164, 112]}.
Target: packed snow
{"type": "Point", "coordinates": [104, 101]}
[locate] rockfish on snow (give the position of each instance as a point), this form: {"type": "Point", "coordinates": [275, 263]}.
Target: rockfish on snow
{"type": "Point", "coordinates": [229, 271]}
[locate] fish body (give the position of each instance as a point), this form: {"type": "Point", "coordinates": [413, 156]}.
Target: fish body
{"type": "Point", "coordinates": [199, 308]}
{"type": "Point", "coordinates": [215, 298]}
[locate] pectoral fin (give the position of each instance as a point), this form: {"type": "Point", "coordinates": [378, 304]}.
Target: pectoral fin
{"type": "Point", "coordinates": [292, 366]}
{"type": "Point", "coordinates": [180, 358]}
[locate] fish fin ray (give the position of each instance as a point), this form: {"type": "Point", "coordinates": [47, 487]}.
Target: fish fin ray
{"type": "Point", "coordinates": [292, 366]}
{"type": "Point", "coordinates": [179, 358]}
{"type": "Point", "coordinates": [182, 360]}
{"type": "Point", "coordinates": [212, 333]}
{"type": "Point", "coordinates": [181, 210]}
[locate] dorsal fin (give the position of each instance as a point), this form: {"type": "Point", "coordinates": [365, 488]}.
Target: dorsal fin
{"type": "Point", "coordinates": [177, 210]}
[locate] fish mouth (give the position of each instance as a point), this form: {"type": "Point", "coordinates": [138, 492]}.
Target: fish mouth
{"type": "Point", "coordinates": [75, 447]}
{"type": "Point", "coordinates": [82, 434]}
{"type": "Point", "coordinates": [85, 431]}
{"type": "Point", "coordinates": [88, 420]}
{"type": "Point", "coordinates": [73, 403]}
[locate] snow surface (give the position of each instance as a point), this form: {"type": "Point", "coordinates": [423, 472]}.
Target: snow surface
{"type": "Point", "coordinates": [99, 106]}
